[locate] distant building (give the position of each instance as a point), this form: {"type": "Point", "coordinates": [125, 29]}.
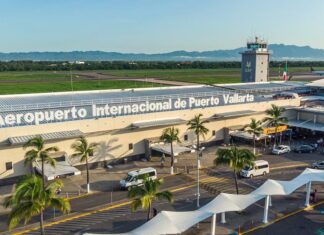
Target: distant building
{"type": "Point", "coordinates": [255, 62]}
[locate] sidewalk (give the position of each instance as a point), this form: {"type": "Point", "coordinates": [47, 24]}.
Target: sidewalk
{"type": "Point", "coordinates": [102, 180]}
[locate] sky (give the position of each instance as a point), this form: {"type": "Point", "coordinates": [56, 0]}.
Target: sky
{"type": "Point", "coordinates": [152, 26]}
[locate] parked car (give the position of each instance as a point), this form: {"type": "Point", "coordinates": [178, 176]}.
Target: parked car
{"type": "Point", "coordinates": [135, 178]}
{"type": "Point", "coordinates": [315, 146]}
{"type": "Point", "coordinates": [260, 167]}
{"type": "Point", "coordinates": [318, 165]}
{"type": "Point", "coordinates": [305, 148]}
{"type": "Point", "coordinates": [281, 149]}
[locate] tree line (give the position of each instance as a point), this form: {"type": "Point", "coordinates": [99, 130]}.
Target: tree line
{"type": "Point", "coordinates": [7, 66]}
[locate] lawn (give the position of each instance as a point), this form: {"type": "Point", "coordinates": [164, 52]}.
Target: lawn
{"type": "Point", "coordinates": [49, 81]}
{"type": "Point", "coordinates": [38, 76]}
{"type": "Point", "coordinates": [34, 87]}
{"type": "Point", "coordinates": [208, 76]}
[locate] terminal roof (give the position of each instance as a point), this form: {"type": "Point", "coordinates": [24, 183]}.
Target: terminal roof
{"type": "Point", "coordinates": [67, 99]}
{"type": "Point", "coordinates": [64, 99]}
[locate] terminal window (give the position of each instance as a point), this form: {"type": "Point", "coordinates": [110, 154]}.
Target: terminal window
{"type": "Point", "coordinates": [8, 166]}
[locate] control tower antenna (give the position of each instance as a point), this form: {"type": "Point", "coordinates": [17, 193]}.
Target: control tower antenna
{"type": "Point", "coordinates": [255, 61]}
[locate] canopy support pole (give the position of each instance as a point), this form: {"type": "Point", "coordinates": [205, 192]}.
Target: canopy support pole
{"type": "Point", "coordinates": [223, 219]}
{"type": "Point", "coordinates": [308, 191]}
{"type": "Point", "coordinates": [266, 209]}
{"type": "Point", "coordinates": [213, 225]}
{"type": "Point", "coordinates": [270, 201]}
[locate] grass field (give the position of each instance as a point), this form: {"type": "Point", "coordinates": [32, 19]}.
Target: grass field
{"type": "Point", "coordinates": [208, 76]}
{"type": "Point", "coordinates": [38, 76]}
{"type": "Point", "coordinates": [49, 81]}
{"type": "Point", "coordinates": [34, 87]}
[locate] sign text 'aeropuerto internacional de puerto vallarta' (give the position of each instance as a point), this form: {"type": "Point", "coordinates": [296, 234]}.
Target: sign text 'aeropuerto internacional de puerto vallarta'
{"type": "Point", "coordinates": [94, 111]}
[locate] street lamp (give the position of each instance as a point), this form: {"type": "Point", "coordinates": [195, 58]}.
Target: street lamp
{"type": "Point", "coordinates": [199, 156]}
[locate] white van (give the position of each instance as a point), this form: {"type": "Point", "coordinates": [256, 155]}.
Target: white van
{"type": "Point", "coordinates": [260, 167]}
{"type": "Point", "coordinates": [135, 178]}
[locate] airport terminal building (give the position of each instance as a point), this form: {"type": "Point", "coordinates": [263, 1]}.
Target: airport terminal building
{"type": "Point", "coordinates": [128, 123]}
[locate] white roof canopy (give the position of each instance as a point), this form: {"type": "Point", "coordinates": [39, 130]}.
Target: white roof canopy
{"type": "Point", "coordinates": [307, 124]}
{"type": "Point", "coordinates": [166, 149]}
{"type": "Point", "coordinates": [171, 222]}
{"type": "Point", "coordinates": [46, 136]}
{"type": "Point", "coordinates": [62, 168]}
{"type": "Point", "coordinates": [247, 135]}
{"type": "Point", "coordinates": [157, 122]}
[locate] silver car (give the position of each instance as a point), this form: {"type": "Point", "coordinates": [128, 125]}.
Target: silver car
{"type": "Point", "coordinates": [318, 165]}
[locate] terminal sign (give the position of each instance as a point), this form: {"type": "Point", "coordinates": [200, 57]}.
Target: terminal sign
{"type": "Point", "coordinates": [105, 110]}
{"type": "Point", "coordinates": [273, 130]}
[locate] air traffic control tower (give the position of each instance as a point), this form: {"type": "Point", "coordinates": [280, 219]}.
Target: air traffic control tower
{"type": "Point", "coordinates": [255, 62]}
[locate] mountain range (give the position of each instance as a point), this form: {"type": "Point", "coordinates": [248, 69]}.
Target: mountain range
{"type": "Point", "coordinates": [278, 52]}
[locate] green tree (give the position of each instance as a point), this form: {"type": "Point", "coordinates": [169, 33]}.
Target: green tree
{"type": "Point", "coordinates": [255, 129]}
{"type": "Point", "coordinates": [84, 150]}
{"type": "Point", "coordinates": [144, 195]}
{"type": "Point", "coordinates": [236, 159]}
{"type": "Point", "coordinates": [171, 135]}
{"type": "Point", "coordinates": [39, 152]}
{"type": "Point", "coordinates": [198, 126]}
{"type": "Point", "coordinates": [275, 118]}
{"type": "Point", "coordinates": [29, 199]}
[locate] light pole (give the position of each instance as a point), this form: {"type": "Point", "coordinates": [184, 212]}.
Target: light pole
{"type": "Point", "coordinates": [199, 155]}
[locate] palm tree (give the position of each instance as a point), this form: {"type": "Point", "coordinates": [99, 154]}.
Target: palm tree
{"type": "Point", "coordinates": [29, 199]}
{"type": "Point", "coordinates": [170, 135]}
{"type": "Point", "coordinates": [144, 195]}
{"type": "Point", "coordinates": [236, 159]}
{"type": "Point", "coordinates": [198, 126]}
{"type": "Point", "coordinates": [275, 118]}
{"type": "Point", "coordinates": [84, 150]}
{"type": "Point", "coordinates": [255, 129]}
{"type": "Point", "coordinates": [39, 152]}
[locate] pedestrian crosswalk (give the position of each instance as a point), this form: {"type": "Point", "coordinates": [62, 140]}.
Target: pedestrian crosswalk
{"type": "Point", "coordinates": [113, 220]}
{"type": "Point", "coordinates": [220, 181]}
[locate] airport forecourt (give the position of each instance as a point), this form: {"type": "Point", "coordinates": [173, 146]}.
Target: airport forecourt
{"type": "Point", "coordinates": [127, 123]}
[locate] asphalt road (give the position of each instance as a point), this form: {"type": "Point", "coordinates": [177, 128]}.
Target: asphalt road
{"type": "Point", "coordinates": [114, 220]}
{"type": "Point", "coordinates": [304, 223]}
{"type": "Point", "coordinates": [121, 219]}
{"type": "Point", "coordinates": [86, 203]}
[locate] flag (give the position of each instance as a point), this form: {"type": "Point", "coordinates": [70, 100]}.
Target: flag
{"type": "Point", "coordinates": [285, 72]}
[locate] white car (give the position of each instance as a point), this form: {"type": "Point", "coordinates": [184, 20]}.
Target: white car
{"type": "Point", "coordinates": [281, 149]}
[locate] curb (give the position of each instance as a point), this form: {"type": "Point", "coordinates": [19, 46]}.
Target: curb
{"type": "Point", "coordinates": [282, 217]}
{"type": "Point", "coordinates": [94, 210]}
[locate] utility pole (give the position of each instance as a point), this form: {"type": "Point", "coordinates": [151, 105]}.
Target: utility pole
{"type": "Point", "coordinates": [71, 78]}
{"type": "Point", "coordinates": [198, 188]}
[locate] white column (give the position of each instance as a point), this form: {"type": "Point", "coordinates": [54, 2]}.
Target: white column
{"type": "Point", "coordinates": [213, 225]}
{"type": "Point", "coordinates": [223, 220]}
{"type": "Point", "coordinates": [266, 210]}
{"type": "Point", "coordinates": [308, 191]}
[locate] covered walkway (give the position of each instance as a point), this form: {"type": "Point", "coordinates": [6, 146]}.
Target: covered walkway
{"type": "Point", "coordinates": [172, 222]}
